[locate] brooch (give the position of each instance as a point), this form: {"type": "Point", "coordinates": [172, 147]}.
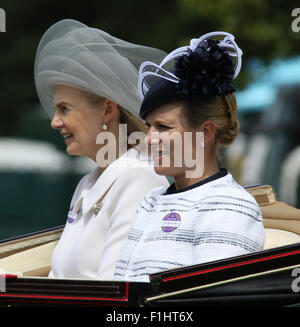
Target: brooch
{"type": "Point", "coordinates": [97, 207]}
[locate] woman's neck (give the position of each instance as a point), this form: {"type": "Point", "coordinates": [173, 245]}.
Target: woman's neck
{"type": "Point", "coordinates": [182, 181]}
{"type": "Point", "coordinates": [105, 155]}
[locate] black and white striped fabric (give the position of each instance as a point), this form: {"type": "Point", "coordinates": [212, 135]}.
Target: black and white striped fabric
{"type": "Point", "coordinates": [216, 220]}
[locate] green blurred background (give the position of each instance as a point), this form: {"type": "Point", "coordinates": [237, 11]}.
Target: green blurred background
{"type": "Point", "coordinates": [37, 178]}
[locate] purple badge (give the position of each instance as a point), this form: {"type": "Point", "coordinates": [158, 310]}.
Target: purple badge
{"type": "Point", "coordinates": [70, 219]}
{"type": "Point", "coordinates": [170, 222]}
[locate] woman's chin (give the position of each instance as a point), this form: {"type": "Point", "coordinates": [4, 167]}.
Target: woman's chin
{"type": "Point", "coordinates": [71, 150]}
{"type": "Point", "coordinates": [165, 171]}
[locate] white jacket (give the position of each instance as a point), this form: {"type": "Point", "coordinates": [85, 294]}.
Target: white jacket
{"type": "Point", "coordinates": [91, 243]}
{"type": "Point", "coordinates": [212, 221]}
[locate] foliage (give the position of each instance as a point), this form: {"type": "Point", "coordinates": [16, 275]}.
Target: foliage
{"type": "Point", "coordinates": [262, 29]}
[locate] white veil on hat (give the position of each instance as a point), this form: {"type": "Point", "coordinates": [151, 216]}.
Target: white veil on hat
{"type": "Point", "coordinates": [73, 54]}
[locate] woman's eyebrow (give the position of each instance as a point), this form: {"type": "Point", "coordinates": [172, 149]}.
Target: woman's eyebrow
{"type": "Point", "coordinates": [159, 121]}
{"type": "Point", "coordinates": [60, 104]}
{"type": "Point", "coordinates": [164, 122]}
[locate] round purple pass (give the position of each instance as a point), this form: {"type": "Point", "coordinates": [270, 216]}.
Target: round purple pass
{"type": "Point", "coordinates": [170, 222]}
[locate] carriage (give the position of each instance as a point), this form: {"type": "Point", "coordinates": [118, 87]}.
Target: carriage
{"type": "Point", "coordinates": [270, 277]}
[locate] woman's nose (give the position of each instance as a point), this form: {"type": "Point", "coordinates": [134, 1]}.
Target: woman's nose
{"type": "Point", "coordinates": [57, 123]}
{"type": "Point", "coordinates": [152, 137]}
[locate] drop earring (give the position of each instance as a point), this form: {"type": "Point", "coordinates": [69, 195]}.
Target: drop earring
{"type": "Point", "coordinates": [104, 127]}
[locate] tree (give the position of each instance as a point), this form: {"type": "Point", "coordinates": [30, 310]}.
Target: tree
{"type": "Point", "coordinates": [262, 29]}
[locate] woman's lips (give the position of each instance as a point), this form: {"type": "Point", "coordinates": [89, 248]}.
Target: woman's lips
{"type": "Point", "coordinates": [68, 138]}
{"type": "Point", "coordinates": [159, 155]}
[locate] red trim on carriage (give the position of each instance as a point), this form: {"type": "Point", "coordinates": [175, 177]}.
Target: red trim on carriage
{"type": "Point", "coordinates": [61, 297]}
{"type": "Point", "coordinates": [8, 276]}
{"type": "Point", "coordinates": [275, 256]}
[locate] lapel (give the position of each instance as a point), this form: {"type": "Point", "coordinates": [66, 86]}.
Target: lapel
{"type": "Point", "coordinates": [103, 182]}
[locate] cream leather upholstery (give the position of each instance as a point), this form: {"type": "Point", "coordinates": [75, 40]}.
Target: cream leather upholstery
{"type": "Point", "coordinates": [29, 255]}
{"type": "Point", "coordinates": [281, 221]}
{"type": "Point", "coordinates": [277, 237]}
{"type": "Point", "coordinates": [32, 262]}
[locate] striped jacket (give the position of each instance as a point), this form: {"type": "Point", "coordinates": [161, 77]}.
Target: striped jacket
{"type": "Point", "coordinates": [215, 220]}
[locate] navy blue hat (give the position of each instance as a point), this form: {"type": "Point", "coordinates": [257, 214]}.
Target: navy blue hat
{"type": "Point", "coordinates": [200, 73]}
{"type": "Point", "coordinates": [159, 94]}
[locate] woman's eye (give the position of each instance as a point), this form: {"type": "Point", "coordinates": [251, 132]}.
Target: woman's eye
{"type": "Point", "coordinates": [64, 109]}
{"type": "Point", "coordinates": [157, 126]}
{"type": "Point", "coordinates": [163, 126]}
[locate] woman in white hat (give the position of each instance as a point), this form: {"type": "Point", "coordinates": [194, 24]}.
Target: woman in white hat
{"type": "Point", "coordinates": [205, 214]}
{"type": "Point", "coordinates": [87, 82]}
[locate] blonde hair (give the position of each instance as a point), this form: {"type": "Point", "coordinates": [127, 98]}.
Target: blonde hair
{"type": "Point", "coordinates": [222, 111]}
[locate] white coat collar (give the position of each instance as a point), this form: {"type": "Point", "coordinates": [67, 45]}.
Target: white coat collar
{"type": "Point", "coordinates": [101, 183]}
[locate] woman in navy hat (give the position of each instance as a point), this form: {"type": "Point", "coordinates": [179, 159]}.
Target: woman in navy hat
{"type": "Point", "coordinates": [190, 108]}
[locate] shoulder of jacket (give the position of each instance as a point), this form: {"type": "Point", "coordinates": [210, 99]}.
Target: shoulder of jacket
{"type": "Point", "coordinates": [83, 183]}
{"type": "Point", "coordinates": [229, 184]}
{"type": "Point", "coordinates": [139, 180]}
{"type": "Point", "coordinates": [138, 171]}
{"type": "Point", "coordinates": [155, 193]}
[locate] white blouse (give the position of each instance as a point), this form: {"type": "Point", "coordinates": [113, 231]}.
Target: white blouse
{"type": "Point", "coordinates": [92, 241]}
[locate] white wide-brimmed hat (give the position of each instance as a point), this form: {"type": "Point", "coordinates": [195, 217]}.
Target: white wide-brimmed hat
{"type": "Point", "coordinates": [73, 54]}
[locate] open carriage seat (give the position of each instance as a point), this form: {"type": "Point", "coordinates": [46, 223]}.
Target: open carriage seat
{"type": "Point", "coordinates": [31, 255]}
{"type": "Point", "coordinates": [281, 221]}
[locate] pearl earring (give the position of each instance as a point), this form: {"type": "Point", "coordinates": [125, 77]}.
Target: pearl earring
{"type": "Point", "coordinates": [202, 144]}
{"type": "Point", "coordinates": [104, 127]}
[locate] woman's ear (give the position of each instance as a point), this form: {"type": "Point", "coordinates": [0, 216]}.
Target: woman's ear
{"type": "Point", "coordinates": [208, 128]}
{"type": "Point", "coordinates": [111, 111]}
